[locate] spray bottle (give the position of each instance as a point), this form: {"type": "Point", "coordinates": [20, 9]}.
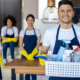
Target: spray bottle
{"type": "Point", "coordinates": [67, 56]}
{"type": "Point", "coordinates": [62, 49]}
{"type": "Point", "coordinates": [71, 55]}
{"type": "Point", "coordinates": [76, 54]}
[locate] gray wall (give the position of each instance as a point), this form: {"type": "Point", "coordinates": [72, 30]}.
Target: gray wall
{"type": "Point", "coordinates": [30, 7]}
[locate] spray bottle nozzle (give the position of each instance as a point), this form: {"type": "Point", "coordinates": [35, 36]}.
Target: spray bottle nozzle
{"type": "Point", "coordinates": [65, 42]}
{"type": "Point", "coordinates": [76, 49]}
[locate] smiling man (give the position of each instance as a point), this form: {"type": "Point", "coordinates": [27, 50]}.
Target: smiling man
{"type": "Point", "coordinates": [64, 31]}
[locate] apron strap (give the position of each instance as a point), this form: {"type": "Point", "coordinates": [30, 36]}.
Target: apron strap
{"type": "Point", "coordinates": [12, 30]}
{"type": "Point", "coordinates": [34, 31]}
{"type": "Point", "coordinates": [26, 31]}
{"type": "Point", "coordinates": [57, 32]}
{"type": "Point", "coordinates": [74, 31]}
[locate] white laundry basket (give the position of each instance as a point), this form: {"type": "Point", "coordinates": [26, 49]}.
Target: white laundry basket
{"type": "Point", "coordinates": [62, 69]}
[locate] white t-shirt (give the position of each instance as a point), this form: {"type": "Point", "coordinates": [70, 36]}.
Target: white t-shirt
{"type": "Point", "coordinates": [22, 32]}
{"type": "Point", "coordinates": [65, 34]}
{"type": "Point", "coordinates": [78, 24]}
{"type": "Point", "coordinates": [9, 31]}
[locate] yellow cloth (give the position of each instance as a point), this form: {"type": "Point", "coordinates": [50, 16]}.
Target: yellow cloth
{"type": "Point", "coordinates": [24, 53]}
{"type": "Point", "coordinates": [42, 62]}
{"type": "Point", "coordinates": [1, 62]}
{"type": "Point", "coordinates": [4, 41]}
{"type": "Point", "coordinates": [12, 39]}
{"type": "Point", "coordinates": [9, 40]}
{"type": "Point", "coordinates": [34, 52]}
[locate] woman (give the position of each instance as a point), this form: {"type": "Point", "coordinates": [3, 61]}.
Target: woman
{"type": "Point", "coordinates": [30, 37]}
{"type": "Point", "coordinates": [9, 35]}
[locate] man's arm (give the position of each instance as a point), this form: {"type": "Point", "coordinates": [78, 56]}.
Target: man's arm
{"type": "Point", "coordinates": [44, 49]}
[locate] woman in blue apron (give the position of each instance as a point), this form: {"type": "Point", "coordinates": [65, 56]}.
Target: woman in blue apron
{"type": "Point", "coordinates": [9, 35]}
{"type": "Point", "coordinates": [29, 41]}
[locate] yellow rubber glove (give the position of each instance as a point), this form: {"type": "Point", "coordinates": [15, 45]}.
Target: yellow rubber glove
{"type": "Point", "coordinates": [1, 62]}
{"type": "Point", "coordinates": [12, 39]}
{"type": "Point", "coordinates": [42, 62]}
{"type": "Point", "coordinates": [9, 40]}
{"type": "Point", "coordinates": [24, 53]}
{"type": "Point", "coordinates": [4, 41]}
{"type": "Point", "coordinates": [34, 52]}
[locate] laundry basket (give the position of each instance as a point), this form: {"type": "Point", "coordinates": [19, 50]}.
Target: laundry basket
{"type": "Point", "coordinates": [62, 69]}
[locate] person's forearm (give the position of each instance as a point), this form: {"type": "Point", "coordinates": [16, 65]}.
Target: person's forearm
{"type": "Point", "coordinates": [4, 38]}
{"type": "Point", "coordinates": [22, 48]}
{"type": "Point", "coordinates": [43, 52]}
{"type": "Point", "coordinates": [37, 46]}
{"type": "Point", "coordinates": [16, 38]}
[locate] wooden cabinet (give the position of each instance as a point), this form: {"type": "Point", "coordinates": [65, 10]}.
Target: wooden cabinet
{"type": "Point", "coordinates": [11, 7]}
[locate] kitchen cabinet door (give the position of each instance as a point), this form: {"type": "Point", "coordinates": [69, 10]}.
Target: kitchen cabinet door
{"type": "Point", "coordinates": [11, 7]}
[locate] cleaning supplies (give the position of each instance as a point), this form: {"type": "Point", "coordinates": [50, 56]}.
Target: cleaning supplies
{"type": "Point", "coordinates": [77, 57]}
{"type": "Point", "coordinates": [62, 49]}
{"type": "Point", "coordinates": [41, 61]}
{"type": "Point", "coordinates": [76, 54]}
{"type": "Point", "coordinates": [67, 56]}
{"type": "Point", "coordinates": [60, 52]}
{"type": "Point", "coordinates": [71, 55]}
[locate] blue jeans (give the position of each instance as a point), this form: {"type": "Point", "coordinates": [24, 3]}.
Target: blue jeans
{"type": "Point", "coordinates": [11, 45]}
{"type": "Point", "coordinates": [5, 46]}
{"type": "Point", "coordinates": [27, 76]}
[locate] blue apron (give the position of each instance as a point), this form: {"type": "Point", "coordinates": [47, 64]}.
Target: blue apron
{"type": "Point", "coordinates": [9, 36]}
{"type": "Point", "coordinates": [13, 75]}
{"type": "Point", "coordinates": [59, 43]}
{"type": "Point", "coordinates": [30, 42]}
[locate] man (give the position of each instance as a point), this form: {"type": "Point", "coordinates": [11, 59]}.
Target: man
{"type": "Point", "coordinates": [65, 30]}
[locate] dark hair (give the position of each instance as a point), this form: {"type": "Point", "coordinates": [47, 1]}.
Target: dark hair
{"type": "Point", "coordinates": [13, 20]}
{"type": "Point", "coordinates": [65, 2]}
{"type": "Point", "coordinates": [30, 15]}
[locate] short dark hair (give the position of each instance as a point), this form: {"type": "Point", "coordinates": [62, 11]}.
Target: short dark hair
{"type": "Point", "coordinates": [30, 15]}
{"type": "Point", "coordinates": [65, 2]}
{"type": "Point", "coordinates": [13, 20]}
